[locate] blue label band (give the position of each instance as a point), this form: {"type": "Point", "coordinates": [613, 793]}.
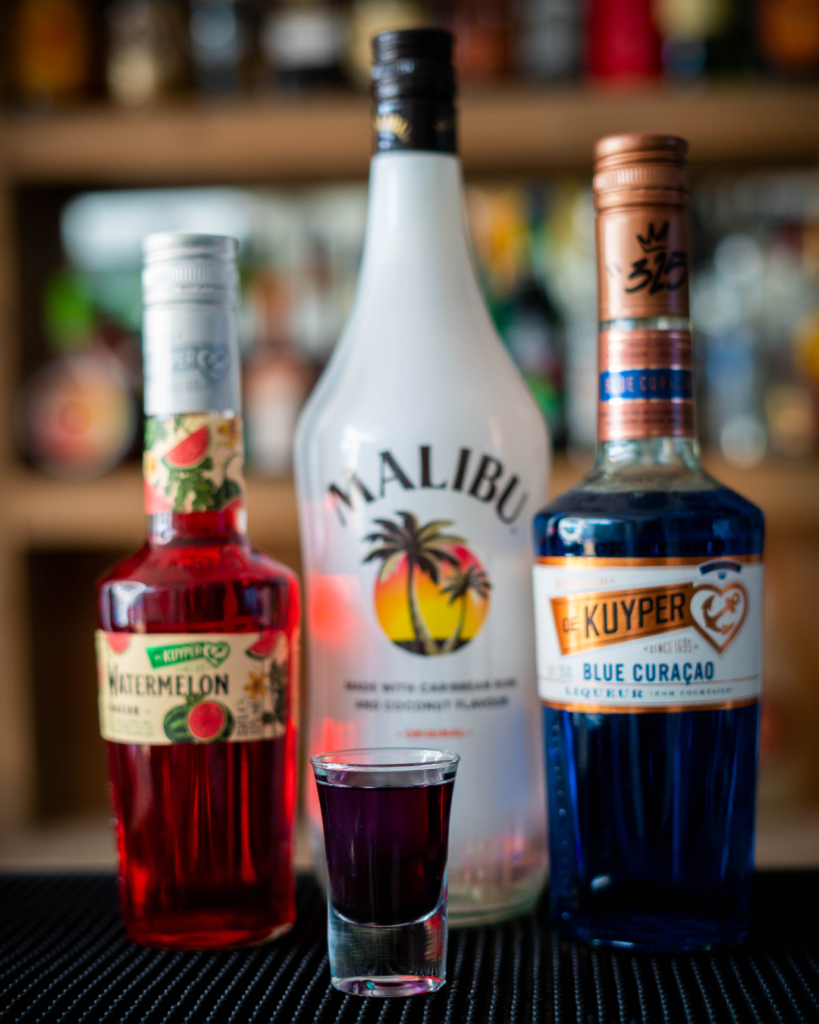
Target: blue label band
{"type": "Point", "coordinates": [642, 385]}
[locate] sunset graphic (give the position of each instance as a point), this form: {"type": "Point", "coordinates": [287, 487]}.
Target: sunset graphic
{"type": "Point", "coordinates": [431, 593]}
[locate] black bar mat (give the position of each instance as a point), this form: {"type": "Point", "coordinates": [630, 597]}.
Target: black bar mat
{"type": "Point", "coordinates": [64, 957]}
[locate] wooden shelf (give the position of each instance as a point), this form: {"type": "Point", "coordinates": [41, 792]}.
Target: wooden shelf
{"type": "Point", "coordinates": [504, 129]}
{"type": "Point", "coordinates": [107, 513]}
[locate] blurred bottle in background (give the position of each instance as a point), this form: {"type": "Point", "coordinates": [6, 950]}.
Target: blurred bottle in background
{"type": "Point", "coordinates": [533, 332]}
{"type": "Point", "coordinates": [569, 270]}
{"type": "Point", "coordinates": [724, 314]}
{"type": "Point", "coordinates": [622, 43]}
{"type": "Point", "coordinates": [511, 239]}
{"type": "Point", "coordinates": [481, 32]}
{"type": "Point", "coordinates": [688, 26]}
{"type": "Point", "coordinates": [222, 36]}
{"type": "Point", "coordinates": [303, 43]}
{"type": "Point", "coordinates": [753, 294]}
{"type": "Point", "coordinates": [794, 416]}
{"type": "Point", "coordinates": [276, 378]}
{"type": "Point", "coordinates": [51, 52]}
{"type": "Point", "coordinates": [77, 413]}
{"type": "Point", "coordinates": [147, 56]}
{"type": "Point", "coordinates": [156, 47]}
{"type": "Point", "coordinates": [788, 36]}
{"type": "Point", "coordinates": [730, 46]}
{"type": "Point", "coordinates": [548, 39]}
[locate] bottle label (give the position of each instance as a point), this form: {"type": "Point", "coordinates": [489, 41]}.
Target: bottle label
{"type": "Point", "coordinates": [193, 463]}
{"type": "Point", "coordinates": [646, 385]}
{"type": "Point", "coordinates": [642, 265]}
{"type": "Point", "coordinates": [628, 635]}
{"type": "Point", "coordinates": [191, 355]}
{"type": "Point", "coordinates": [162, 688]}
{"type": "Point", "coordinates": [421, 630]}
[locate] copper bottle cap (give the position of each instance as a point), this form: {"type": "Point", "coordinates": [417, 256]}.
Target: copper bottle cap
{"type": "Point", "coordinates": [638, 168]}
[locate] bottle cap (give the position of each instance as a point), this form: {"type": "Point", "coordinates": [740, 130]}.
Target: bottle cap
{"type": "Point", "coordinates": [190, 268]}
{"type": "Point", "coordinates": [631, 169]}
{"type": "Point", "coordinates": [641, 198]}
{"type": "Point", "coordinates": [413, 63]}
{"type": "Point", "coordinates": [414, 91]}
{"type": "Point", "coordinates": [190, 287]}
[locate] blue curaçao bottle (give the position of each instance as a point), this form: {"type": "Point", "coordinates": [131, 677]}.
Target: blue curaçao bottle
{"type": "Point", "coordinates": [648, 598]}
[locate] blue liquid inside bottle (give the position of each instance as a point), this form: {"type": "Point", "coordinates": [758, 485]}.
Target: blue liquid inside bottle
{"type": "Point", "coordinates": [651, 815]}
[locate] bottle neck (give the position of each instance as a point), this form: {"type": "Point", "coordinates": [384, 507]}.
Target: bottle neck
{"type": "Point", "coordinates": [193, 471]}
{"type": "Point", "coordinates": [646, 425]}
{"type": "Point", "coordinates": [230, 524]}
{"type": "Point", "coordinates": [193, 465]}
{"type": "Point", "coordinates": [415, 247]}
{"type": "Point", "coordinates": [669, 455]}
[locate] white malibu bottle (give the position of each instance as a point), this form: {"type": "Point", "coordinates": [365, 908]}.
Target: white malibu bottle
{"type": "Point", "coordinates": [420, 460]}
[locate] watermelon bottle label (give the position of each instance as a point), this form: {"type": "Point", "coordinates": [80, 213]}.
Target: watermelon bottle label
{"type": "Point", "coordinates": [193, 463]}
{"type": "Point", "coordinates": [164, 688]}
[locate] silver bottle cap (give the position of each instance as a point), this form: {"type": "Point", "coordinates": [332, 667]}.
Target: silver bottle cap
{"type": "Point", "coordinates": [190, 287]}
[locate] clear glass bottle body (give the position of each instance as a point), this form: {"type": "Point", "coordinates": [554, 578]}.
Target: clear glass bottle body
{"type": "Point", "coordinates": [204, 831]}
{"type": "Point", "coordinates": [651, 813]}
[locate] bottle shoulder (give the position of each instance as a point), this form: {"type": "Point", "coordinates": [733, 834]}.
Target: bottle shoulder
{"type": "Point", "coordinates": [652, 523]}
{"type": "Point", "coordinates": [581, 501]}
{"type": "Point", "coordinates": [352, 420]}
{"type": "Point", "coordinates": [188, 561]}
{"type": "Point", "coordinates": [205, 587]}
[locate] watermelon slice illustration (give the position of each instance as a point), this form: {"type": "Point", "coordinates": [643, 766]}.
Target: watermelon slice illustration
{"type": "Point", "coordinates": [209, 720]}
{"type": "Point", "coordinates": [118, 642]}
{"type": "Point", "coordinates": [264, 646]}
{"type": "Point", "coordinates": [189, 452]}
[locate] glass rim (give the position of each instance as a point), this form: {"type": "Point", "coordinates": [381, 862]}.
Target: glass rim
{"type": "Point", "coordinates": [346, 760]}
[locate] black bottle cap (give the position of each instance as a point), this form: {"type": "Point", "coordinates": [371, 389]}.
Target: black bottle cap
{"type": "Point", "coordinates": [414, 90]}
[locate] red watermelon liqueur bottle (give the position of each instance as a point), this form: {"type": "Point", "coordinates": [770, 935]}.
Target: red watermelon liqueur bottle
{"type": "Point", "coordinates": [648, 610]}
{"type": "Point", "coordinates": [198, 641]}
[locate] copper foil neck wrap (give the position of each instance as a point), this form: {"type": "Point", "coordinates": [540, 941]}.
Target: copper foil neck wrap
{"type": "Point", "coordinates": [641, 198]}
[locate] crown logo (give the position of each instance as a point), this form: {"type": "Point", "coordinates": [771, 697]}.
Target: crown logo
{"type": "Point", "coordinates": [654, 240]}
{"type": "Point", "coordinates": [392, 124]}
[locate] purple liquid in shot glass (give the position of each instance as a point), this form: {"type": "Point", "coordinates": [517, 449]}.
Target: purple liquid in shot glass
{"type": "Point", "coordinates": [386, 850]}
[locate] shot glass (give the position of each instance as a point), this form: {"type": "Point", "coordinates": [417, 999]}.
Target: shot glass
{"type": "Point", "coordinates": [386, 831]}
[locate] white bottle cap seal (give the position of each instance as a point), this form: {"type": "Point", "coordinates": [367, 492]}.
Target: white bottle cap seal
{"type": "Point", "coordinates": [190, 286]}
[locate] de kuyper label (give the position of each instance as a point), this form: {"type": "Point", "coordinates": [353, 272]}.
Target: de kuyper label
{"type": "Point", "coordinates": [648, 634]}
{"type": "Point", "coordinates": [164, 688]}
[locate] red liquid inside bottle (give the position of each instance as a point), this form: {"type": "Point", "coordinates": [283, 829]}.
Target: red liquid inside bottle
{"type": "Point", "coordinates": [205, 830]}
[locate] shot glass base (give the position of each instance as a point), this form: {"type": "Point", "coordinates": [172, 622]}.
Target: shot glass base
{"type": "Point", "coordinates": [394, 985]}
{"type": "Point", "coordinates": [405, 959]}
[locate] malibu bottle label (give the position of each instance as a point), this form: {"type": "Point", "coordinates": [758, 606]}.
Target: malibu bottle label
{"type": "Point", "coordinates": [431, 590]}
{"type": "Point", "coordinates": [630, 634]}
{"type": "Point", "coordinates": [420, 624]}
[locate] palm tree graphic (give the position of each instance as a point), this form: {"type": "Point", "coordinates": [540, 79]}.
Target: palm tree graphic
{"type": "Point", "coordinates": [425, 548]}
{"type": "Point", "coordinates": [461, 583]}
